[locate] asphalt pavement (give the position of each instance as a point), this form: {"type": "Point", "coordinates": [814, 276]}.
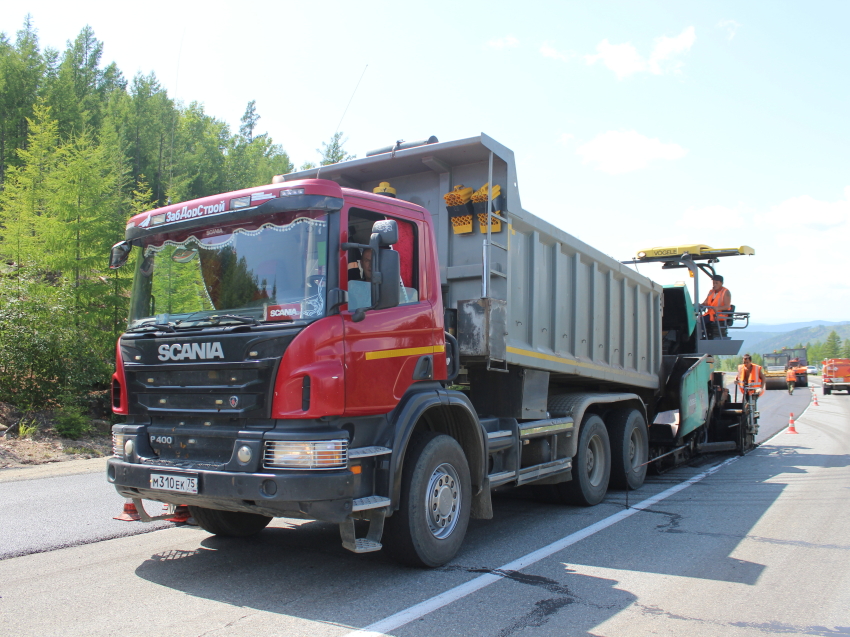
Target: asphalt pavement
{"type": "Point", "coordinates": [45, 514]}
{"type": "Point", "coordinates": [752, 545]}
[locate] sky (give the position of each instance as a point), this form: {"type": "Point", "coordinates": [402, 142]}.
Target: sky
{"type": "Point", "coordinates": [634, 124]}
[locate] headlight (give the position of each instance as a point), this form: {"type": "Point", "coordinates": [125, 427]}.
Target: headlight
{"type": "Point", "coordinates": [118, 445]}
{"type": "Point", "coordinates": [320, 454]}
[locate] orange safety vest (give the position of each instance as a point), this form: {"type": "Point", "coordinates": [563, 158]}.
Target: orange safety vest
{"type": "Point", "coordinates": [755, 381]}
{"type": "Point", "coordinates": [791, 376]}
{"type": "Point", "coordinates": [714, 300]}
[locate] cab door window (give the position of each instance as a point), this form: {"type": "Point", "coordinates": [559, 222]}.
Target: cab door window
{"type": "Point", "coordinates": [360, 261]}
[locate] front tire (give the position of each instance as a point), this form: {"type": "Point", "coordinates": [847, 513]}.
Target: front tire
{"type": "Point", "coordinates": [436, 497]}
{"type": "Point", "coordinates": [629, 449]}
{"type": "Point", "coordinates": [591, 465]}
{"type": "Point", "coordinates": [229, 523]}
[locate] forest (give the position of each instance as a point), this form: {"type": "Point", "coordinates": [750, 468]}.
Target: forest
{"type": "Point", "coordinates": [81, 150]}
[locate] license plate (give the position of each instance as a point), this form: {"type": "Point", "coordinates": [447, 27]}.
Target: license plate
{"type": "Point", "coordinates": [183, 484]}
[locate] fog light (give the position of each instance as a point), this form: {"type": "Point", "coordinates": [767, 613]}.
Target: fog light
{"type": "Point", "coordinates": [129, 447]}
{"type": "Point", "coordinates": [118, 445]}
{"type": "Point", "coordinates": [319, 454]}
{"type": "Point", "coordinates": [244, 454]}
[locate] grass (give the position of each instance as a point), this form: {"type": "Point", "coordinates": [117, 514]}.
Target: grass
{"type": "Point", "coordinates": [27, 429]}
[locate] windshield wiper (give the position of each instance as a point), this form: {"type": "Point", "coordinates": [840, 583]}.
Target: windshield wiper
{"type": "Point", "coordinates": [189, 317]}
{"type": "Point", "coordinates": [215, 319]}
{"type": "Point", "coordinates": [165, 327]}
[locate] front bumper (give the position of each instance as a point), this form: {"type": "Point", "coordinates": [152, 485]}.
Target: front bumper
{"type": "Point", "coordinates": [316, 495]}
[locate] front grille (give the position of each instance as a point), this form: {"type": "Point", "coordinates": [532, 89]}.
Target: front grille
{"type": "Point", "coordinates": [237, 390]}
{"type": "Point", "coordinates": [233, 378]}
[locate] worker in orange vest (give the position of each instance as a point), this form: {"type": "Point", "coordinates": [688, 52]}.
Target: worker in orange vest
{"type": "Point", "coordinates": [750, 378]}
{"type": "Point", "coordinates": [791, 379]}
{"type": "Point", "coordinates": [718, 299]}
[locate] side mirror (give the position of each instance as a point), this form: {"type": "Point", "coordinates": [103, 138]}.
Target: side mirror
{"type": "Point", "coordinates": [387, 231]}
{"type": "Point", "coordinates": [389, 288]}
{"type": "Point", "coordinates": [119, 254]}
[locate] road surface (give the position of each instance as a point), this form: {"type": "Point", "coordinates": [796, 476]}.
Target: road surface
{"type": "Point", "coordinates": [753, 545]}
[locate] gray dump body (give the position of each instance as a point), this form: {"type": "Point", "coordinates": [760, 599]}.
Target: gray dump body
{"type": "Point", "coordinates": [550, 302]}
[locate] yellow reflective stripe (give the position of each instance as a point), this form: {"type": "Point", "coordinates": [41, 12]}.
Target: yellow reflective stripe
{"type": "Point", "coordinates": [408, 351]}
{"type": "Point", "coordinates": [571, 361]}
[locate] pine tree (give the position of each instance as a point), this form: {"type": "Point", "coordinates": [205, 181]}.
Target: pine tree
{"type": "Point", "coordinates": [832, 347]}
{"type": "Point", "coordinates": [25, 201]}
{"type": "Point", "coordinates": [332, 152]}
{"type": "Point", "coordinates": [81, 228]}
{"type": "Point", "coordinates": [21, 71]}
{"type": "Point", "coordinates": [249, 121]}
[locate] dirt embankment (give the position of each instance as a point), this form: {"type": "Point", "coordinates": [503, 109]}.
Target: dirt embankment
{"type": "Point", "coordinates": [31, 438]}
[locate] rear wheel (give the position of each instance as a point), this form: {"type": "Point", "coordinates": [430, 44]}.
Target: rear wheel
{"type": "Point", "coordinates": [229, 523]}
{"type": "Point", "coordinates": [629, 448]}
{"type": "Point", "coordinates": [827, 390]}
{"type": "Point", "coordinates": [591, 465]}
{"type": "Point", "coordinates": [436, 498]}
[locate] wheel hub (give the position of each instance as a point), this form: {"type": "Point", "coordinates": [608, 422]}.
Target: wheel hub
{"type": "Point", "coordinates": [443, 500]}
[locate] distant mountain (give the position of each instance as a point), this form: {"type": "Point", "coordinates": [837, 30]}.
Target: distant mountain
{"type": "Point", "coordinates": [751, 339]}
{"type": "Point", "coordinates": [786, 327]}
{"type": "Point", "coordinates": [804, 335]}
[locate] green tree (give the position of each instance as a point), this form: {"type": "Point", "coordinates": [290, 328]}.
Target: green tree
{"type": "Point", "coordinates": [332, 152]}
{"type": "Point", "coordinates": [845, 351]}
{"type": "Point", "coordinates": [21, 72]}
{"type": "Point", "coordinates": [81, 225]}
{"type": "Point", "coordinates": [832, 347]}
{"type": "Point", "coordinates": [249, 121]}
{"type": "Point", "coordinates": [78, 89]}
{"type": "Point", "coordinates": [25, 201]}
{"type": "Point", "coordinates": [202, 140]}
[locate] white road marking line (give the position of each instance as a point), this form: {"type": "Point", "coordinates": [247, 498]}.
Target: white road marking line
{"type": "Point", "coordinates": [380, 628]}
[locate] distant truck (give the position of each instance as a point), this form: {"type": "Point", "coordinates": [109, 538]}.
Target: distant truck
{"type": "Point", "coordinates": [798, 361]}
{"type": "Point", "coordinates": [836, 375]}
{"type": "Point", "coordinates": [774, 367]}
{"type": "Point", "coordinates": [391, 338]}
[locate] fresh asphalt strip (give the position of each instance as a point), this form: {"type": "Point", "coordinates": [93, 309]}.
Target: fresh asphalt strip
{"type": "Point", "coordinates": [406, 616]}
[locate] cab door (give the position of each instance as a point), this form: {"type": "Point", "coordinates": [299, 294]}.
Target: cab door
{"type": "Point", "coordinates": [382, 351]}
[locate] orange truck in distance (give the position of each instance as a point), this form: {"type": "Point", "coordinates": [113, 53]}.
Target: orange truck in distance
{"type": "Point", "coordinates": [836, 375]}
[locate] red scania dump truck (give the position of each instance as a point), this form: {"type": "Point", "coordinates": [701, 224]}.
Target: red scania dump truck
{"type": "Point", "coordinates": [390, 339]}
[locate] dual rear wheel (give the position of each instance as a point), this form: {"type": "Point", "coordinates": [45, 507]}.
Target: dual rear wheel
{"type": "Point", "coordinates": [614, 456]}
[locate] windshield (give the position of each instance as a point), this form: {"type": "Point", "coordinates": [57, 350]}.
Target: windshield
{"type": "Point", "coordinates": [775, 361]}
{"type": "Point", "coordinates": [270, 269]}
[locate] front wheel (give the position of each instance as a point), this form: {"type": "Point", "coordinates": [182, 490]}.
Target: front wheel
{"type": "Point", "coordinates": [591, 465]}
{"type": "Point", "coordinates": [436, 497]}
{"type": "Point", "coordinates": [229, 523]}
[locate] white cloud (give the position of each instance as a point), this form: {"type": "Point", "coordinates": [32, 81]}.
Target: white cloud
{"type": "Point", "coordinates": [617, 152]}
{"type": "Point", "coordinates": [806, 215]}
{"type": "Point", "coordinates": [566, 137]}
{"type": "Point", "coordinates": [730, 26]}
{"type": "Point", "coordinates": [625, 60]}
{"type": "Point", "coordinates": [784, 236]}
{"type": "Point", "coordinates": [667, 48]}
{"type": "Point", "coordinates": [508, 42]}
{"type": "Point", "coordinates": [548, 51]}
